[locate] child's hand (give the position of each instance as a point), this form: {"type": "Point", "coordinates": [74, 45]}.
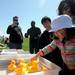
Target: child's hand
{"type": "Point", "coordinates": [40, 53]}
{"type": "Point", "coordinates": [36, 56]}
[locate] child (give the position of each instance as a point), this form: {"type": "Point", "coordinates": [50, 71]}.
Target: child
{"type": "Point", "coordinates": [63, 29]}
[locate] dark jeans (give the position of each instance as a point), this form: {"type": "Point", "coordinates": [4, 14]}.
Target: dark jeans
{"type": "Point", "coordinates": [15, 45]}
{"type": "Point", "coordinates": [34, 45]}
{"type": "Point", "coordinates": [66, 71]}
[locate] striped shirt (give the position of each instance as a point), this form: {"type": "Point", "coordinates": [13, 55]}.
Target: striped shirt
{"type": "Point", "coordinates": [67, 51]}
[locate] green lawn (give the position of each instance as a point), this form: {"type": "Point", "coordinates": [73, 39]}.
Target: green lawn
{"type": "Point", "coordinates": [26, 44]}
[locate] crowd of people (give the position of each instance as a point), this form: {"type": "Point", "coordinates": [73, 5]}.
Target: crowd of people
{"type": "Point", "coordinates": [56, 43]}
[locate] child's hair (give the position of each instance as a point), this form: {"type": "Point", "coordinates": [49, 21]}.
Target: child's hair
{"type": "Point", "coordinates": [53, 36]}
{"type": "Point", "coordinates": [67, 4]}
{"type": "Point", "coordinates": [70, 32]}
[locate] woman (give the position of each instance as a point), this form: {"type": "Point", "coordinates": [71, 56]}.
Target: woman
{"type": "Point", "coordinates": [67, 7]}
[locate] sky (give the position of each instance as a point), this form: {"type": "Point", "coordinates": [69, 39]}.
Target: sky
{"type": "Point", "coordinates": [26, 10]}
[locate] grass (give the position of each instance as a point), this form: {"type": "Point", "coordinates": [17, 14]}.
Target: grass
{"type": "Point", "coordinates": [26, 44]}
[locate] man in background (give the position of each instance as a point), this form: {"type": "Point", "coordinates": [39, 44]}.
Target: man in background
{"type": "Point", "coordinates": [16, 36]}
{"type": "Point", "coordinates": [45, 39]}
{"type": "Point", "coordinates": [34, 33]}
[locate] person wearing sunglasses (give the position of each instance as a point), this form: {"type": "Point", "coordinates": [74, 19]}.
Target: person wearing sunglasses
{"type": "Point", "coordinates": [16, 36]}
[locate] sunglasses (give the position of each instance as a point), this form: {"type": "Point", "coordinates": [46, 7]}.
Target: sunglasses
{"type": "Point", "coordinates": [15, 20]}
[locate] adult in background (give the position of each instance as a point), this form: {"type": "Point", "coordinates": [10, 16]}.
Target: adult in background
{"type": "Point", "coordinates": [34, 33]}
{"type": "Point", "coordinates": [6, 41]}
{"type": "Point", "coordinates": [45, 39]}
{"type": "Point", "coordinates": [67, 7]}
{"type": "Point", "coordinates": [16, 36]}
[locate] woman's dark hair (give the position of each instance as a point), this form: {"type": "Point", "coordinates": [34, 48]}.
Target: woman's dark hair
{"type": "Point", "coordinates": [72, 6]}
{"type": "Point", "coordinates": [60, 7]}
{"type": "Point", "coordinates": [44, 19]}
{"type": "Point", "coordinates": [67, 4]}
